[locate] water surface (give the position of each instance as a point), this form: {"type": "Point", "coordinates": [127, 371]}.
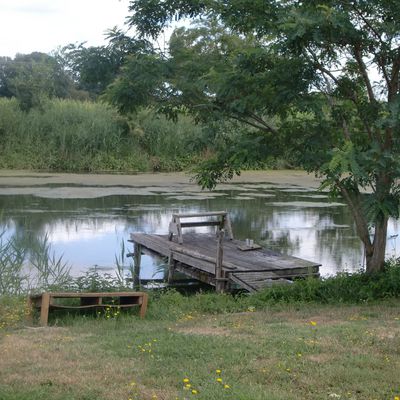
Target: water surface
{"type": "Point", "coordinates": [88, 228]}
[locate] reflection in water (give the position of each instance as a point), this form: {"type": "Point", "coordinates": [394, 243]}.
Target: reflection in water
{"type": "Point", "coordinates": [295, 221]}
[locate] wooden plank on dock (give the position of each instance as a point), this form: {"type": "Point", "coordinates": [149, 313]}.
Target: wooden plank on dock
{"type": "Point", "coordinates": [252, 270]}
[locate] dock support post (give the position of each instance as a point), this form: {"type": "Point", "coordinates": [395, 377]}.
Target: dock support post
{"type": "Point", "coordinates": [219, 274]}
{"type": "Point", "coordinates": [136, 265]}
{"type": "Point", "coordinates": [171, 268]}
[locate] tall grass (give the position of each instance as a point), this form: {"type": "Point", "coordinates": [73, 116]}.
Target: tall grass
{"type": "Point", "coordinates": [170, 146]}
{"type": "Point", "coordinates": [69, 135]}
{"type": "Point", "coordinates": [23, 270]}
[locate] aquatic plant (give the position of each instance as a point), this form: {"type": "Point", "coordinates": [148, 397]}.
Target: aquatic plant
{"type": "Point", "coordinates": [36, 268]}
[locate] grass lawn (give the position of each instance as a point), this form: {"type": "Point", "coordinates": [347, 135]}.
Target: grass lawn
{"type": "Point", "coordinates": [283, 352]}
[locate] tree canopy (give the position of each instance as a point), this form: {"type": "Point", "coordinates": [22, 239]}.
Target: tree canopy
{"type": "Point", "coordinates": [93, 68]}
{"type": "Point", "coordinates": [322, 76]}
{"type": "Point", "coordinates": [30, 78]}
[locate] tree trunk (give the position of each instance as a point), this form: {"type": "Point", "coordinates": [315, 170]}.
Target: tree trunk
{"type": "Point", "coordinates": [375, 257]}
{"type": "Point", "coordinates": [374, 251]}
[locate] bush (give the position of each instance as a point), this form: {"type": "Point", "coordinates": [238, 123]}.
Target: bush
{"type": "Point", "coordinates": [342, 288]}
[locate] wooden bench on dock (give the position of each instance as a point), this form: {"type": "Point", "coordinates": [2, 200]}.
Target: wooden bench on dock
{"type": "Point", "coordinates": [221, 222]}
{"type": "Point", "coordinates": [46, 302]}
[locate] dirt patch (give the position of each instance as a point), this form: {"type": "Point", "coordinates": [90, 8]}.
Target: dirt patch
{"type": "Point", "coordinates": [320, 358]}
{"type": "Point", "coordinates": [204, 330]}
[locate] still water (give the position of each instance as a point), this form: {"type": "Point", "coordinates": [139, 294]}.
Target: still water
{"type": "Point", "coordinates": [88, 232]}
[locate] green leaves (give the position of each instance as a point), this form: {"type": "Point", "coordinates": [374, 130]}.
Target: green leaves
{"type": "Point", "coordinates": [320, 75]}
{"type": "Point", "coordinates": [140, 83]}
{"type": "Point", "coordinates": [33, 78]}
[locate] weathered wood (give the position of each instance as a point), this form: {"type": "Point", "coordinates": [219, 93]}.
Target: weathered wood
{"type": "Point", "coordinates": [171, 268]}
{"type": "Point", "coordinates": [136, 265]}
{"type": "Point", "coordinates": [228, 226]}
{"type": "Point", "coordinates": [45, 301]}
{"type": "Point", "coordinates": [219, 275]}
{"type": "Point", "coordinates": [203, 214]}
{"type": "Point", "coordinates": [195, 254]}
{"type": "Point", "coordinates": [44, 309]}
{"type": "Point", "coordinates": [251, 270]}
{"type": "Point", "coordinates": [200, 223]}
{"type": "Point", "coordinates": [176, 224]}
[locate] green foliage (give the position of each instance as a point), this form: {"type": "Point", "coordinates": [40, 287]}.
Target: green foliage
{"type": "Point", "coordinates": [325, 72]}
{"type": "Point", "coordinates": [23, 270]}
{"type": "Point", "coordinates": [33, 78]}
{"type": "Point", "coordinates": [234, 148]}
{"type": "Point", "coordinates": [171, 304]}
{"type": "Point", "coordinates": [12, 259]}
{"type": "Point", "coordinates": [342, 288]}
{"type": "Point", "coordinates": [93, 281]}
{"type": "Point", "coordinates": [94, 68]}
{"type": "Point", "coordinates": [12, 311]}
{"type": "Point", "coordinates": [67, 135]}
{"type": "Point", "coordinates": [172, 146]}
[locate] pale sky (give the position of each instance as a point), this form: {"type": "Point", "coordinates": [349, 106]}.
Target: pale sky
{"type": "Point", "coordinates": [43, 25]}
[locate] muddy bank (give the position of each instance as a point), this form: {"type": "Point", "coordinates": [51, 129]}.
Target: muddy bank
{"type": "Point", "coordinates": [63, 185]}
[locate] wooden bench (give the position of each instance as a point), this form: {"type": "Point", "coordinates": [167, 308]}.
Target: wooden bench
{"type": "Point", "coordinates": [45, 302]}
{"type": "Point", "coordinates": [222, 221]}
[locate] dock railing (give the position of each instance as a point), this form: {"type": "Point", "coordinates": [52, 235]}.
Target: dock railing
{"type": "Point", "coordinates": [222, 222]}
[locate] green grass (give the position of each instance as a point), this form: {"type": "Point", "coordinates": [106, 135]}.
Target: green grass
{"type": "Point", "coordinates": [277, 352]}
{"type": "Point", "coordinates": [316, 339]}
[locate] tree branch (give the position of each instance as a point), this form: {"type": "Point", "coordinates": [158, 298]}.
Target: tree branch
{"type": "Point", "coordinates": [364, 73]}
{"type": "Point", "coordinates": [262, 124]}
{"type": "Point", "coordinates": [394, 81]}
{"type": "Point", "coordinates": [368, 24]}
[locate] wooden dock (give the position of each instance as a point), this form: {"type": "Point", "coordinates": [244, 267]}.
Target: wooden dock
{"type": "Point", "coordinates": [220, 260]}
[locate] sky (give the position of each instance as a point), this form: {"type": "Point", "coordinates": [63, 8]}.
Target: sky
{"type": "Point", "coordinates": [44, 25]}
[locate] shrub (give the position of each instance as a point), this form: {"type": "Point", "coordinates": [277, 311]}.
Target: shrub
{"type": "Point", "coordinates": [342, 288]}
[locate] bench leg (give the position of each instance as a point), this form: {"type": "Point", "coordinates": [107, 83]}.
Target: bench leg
{"type": "Point", "coordinates": [44, 309]}
{"type": "Point", "coordinates": [143, 306]}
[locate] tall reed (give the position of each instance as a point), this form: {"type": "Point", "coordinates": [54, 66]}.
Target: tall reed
{"type": "Point", "coordinates": [36, 268]}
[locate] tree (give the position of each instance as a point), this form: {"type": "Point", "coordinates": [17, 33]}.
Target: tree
{"type": "Point", "coordinates": [31, 78]}
{"type": "Point", "coordinates": [94, 68]}
{"type": "Point", "coordinates": [206, 74]}
{"type": "Point", "coordinates": [344, 125]}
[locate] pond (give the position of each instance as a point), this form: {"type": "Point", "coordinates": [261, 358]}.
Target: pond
{"type": "Point", "coordinates": [87, 223]}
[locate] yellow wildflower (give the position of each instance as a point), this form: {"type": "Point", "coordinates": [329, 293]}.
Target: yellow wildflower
{"type": "Point", "coordinates": [185, 380]}
{"type": "Point", "coordinates": [227, 387]}
{"type": "Point", "coordinates": [219, 379]}
{"type": "Point", "coordinates": [218, 371]}
{"type": "Point", "coordinates": [313, 323]}
{"type": "Point", "coordinates": [194, 391]}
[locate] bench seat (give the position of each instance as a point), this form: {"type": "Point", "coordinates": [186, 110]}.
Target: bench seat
{"type": "Point", "coordinates": [46, 301]}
